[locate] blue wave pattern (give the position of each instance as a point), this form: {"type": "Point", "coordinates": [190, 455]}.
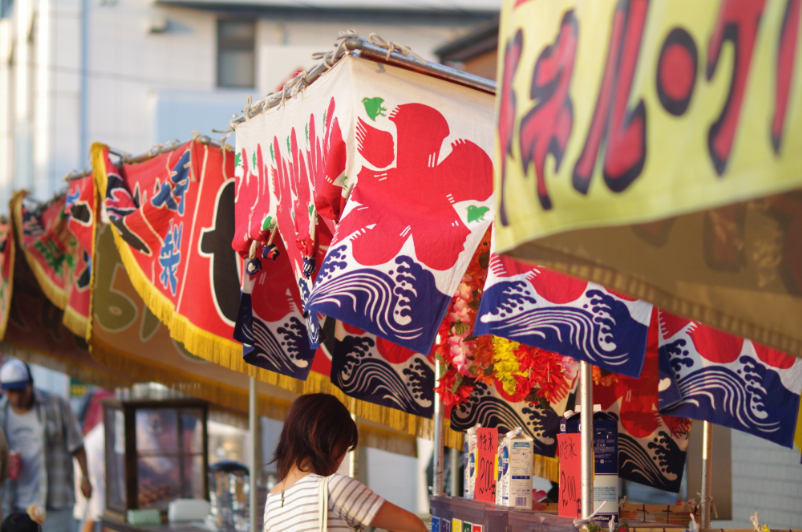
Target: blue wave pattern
{"type": "Point", "coordinates": [312, 322]}
{"type": "Point", "coordinates": [602, 332]}
{"type": "Point", "coordinates": [486, 407]}
{"type": "Point", "coordinates": [284, 350]}
{"type": "Point", "coordinates": [363, 374]}
{"type": "Point", "coordinates": [403, 305]}
{"type": "Point", "coordinates": [751, 398]}
{"type": "Point", "coordinates": [657, 461]}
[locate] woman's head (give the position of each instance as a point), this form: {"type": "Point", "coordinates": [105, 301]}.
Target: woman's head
{"type": "Point", "coordinates": [317, 433]}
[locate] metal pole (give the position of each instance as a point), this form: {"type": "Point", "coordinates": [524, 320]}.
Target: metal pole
{"type": "Point", "coordinates": [437, 489]}
{"type": "Point", "coordinates": [586, 436]}
{"type": "Point", "coordinates": [707, 470]}
{"type": "Point", "coordinates": [453, 458]}
{"type": "Point", "coordinates": [253, 425]}
{"type": "Point", "coordinates": [353, 463]}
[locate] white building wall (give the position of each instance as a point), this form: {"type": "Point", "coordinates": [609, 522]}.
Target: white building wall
{"type": "Point", "coordinates": [766, 478]}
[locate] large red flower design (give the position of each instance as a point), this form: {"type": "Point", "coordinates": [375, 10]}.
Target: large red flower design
{"type": "Point", "coordinates": [415, 197]}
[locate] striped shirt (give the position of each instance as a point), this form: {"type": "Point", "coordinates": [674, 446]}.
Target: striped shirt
{"type": "Point", "coordinates": [351, 505]}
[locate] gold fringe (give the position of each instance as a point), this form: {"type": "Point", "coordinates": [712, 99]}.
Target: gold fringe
{"type": "Point", "coordinates": [97, 160]}
{"type": "Point", "coordinates": [75, 322]}
{"type": "Point", "coordinates": [143, 370]}
{"type": "Point", "coordinates": [388, 441]}
{"type": "Point", "coordinates": [77, 371]}
{"type": "Point", "coordinates": [546, 467]}
{"type": "Point", "coordinates": [12, 258]}
{"type": "Point", "coordinates": [56, 295]}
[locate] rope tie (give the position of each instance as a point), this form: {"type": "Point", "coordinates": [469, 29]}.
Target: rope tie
{"type": "Point", "coordinates": [392, 47]}
{"type": "Point", "coordinates": [579, 523]}
{"type": "Point", "coordinates": [755, 519]}
{"type": "Point", "coordinates": [246, 111]}
{"type": "Point", "coordinates": [707, 500]}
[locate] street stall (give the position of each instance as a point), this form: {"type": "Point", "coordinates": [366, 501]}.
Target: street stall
{"type": "Point", "coordinates": [372, 260]}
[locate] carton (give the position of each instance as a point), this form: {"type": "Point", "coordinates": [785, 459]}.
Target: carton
{"type": "Point", "coordinates": [469, 482]}
{"type": "Point", "coordinates": [516, 479]}
{"type": "Point", "coordinates": [503, 460]}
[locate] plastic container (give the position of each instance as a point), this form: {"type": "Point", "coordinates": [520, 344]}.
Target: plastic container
{"type": "Point", "coordinates": [605, 450]}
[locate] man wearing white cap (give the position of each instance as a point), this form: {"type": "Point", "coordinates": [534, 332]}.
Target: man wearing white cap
{"type": "Point", "coordinates": [44, 430]}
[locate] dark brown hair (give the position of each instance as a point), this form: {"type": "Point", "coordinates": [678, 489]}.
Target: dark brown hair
{"type": "Point", "coordinates": [317, 431]}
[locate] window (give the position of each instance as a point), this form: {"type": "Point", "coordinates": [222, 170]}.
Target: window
{"type": "Point", "coordinates": [235, 53]}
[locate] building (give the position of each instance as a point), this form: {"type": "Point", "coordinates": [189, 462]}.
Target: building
{"type": "Point", "coordinates": [132, 73]}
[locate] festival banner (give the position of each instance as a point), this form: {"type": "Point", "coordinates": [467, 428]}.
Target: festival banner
{"type": "Point", "coordinates": [36, 333]}
{"type": "Point", "coordinates": [418, 178]}
{"type": "Point", "coordinates": [7, 253]}
{"type": "Point", "coordinates": [58, 261]}
{"type": "Point", "coordinates": [710, 375]}
{"type": "Point", "coordinates": [370, 368]}
{"type": "Point", "coordinates": [270, 323]}
{"type": "Point", "coordinates": [494, 408]}
{"type": "Point", "coordinates": [420, 181]}
{"type": "Point", "coordinates": [565, 315]}
{"type": "Point", "coordinates": [283, 193]}
{"type": "Point", "coordinates": [650, 146]}
{"type": "Point", "coordinates": [172, 220]}
{"type": "Point", "coordinates": [652, 444]}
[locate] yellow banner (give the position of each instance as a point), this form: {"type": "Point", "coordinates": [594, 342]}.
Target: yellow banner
{"type": "Point", "coordinates": [640, 113]}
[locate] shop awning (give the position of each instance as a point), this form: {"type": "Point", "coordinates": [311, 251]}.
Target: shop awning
{"type": "Point", "coordinates": [652, 147]}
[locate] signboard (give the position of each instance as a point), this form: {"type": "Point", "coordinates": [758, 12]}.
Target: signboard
{"type": "Point", "coordinates": [486, 449]}
{"type": "Point", "coordinates": [570, 502]}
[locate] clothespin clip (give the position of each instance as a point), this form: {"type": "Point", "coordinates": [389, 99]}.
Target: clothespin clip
{"type": "Point", "coordinates": [253, 265]}
{"type": "Point", "coordinates": [270, 250]}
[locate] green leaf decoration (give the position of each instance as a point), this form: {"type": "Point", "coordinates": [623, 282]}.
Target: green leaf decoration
{"type": "Point", "coordinates": [461, 328]}
{"type": "Point", "coordinates": [489, 370]}
{"type": "Point", "coordinates": [238, 160]}
{"type": "Point", "coordinates": [474, 304]}
{"type": "Point", "coordinates": [476, 213]}
{"type": "Point", "coordinates": [457, 383]}
{"type": "Point", "coordinates": [373, 107]}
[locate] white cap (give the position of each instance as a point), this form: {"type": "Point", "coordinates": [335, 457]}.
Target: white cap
{"type": "Point", "coordinates": [14, 375]}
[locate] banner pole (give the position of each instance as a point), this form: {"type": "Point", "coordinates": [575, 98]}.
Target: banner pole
{"type": "Point", "coordinates": [253, 426]}
{"type": "Point", "coordinates": [437, 488]}
{"type": "Point", "coordinates": [586, 436]}
{"type": "Point", "coordinates": [353, 462]}
{"type": "Point", "coordinates": [707, 470]}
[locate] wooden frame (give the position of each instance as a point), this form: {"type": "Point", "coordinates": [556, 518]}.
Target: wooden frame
{"type": "Point", "coordinates": [129, 408]}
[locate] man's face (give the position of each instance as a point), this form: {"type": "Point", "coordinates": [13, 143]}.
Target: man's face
{"type": "Point", "coordinates": [20, 399]}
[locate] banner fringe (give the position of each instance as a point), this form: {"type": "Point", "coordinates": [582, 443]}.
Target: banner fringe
{"type": "Point", "coordinates": [75, 322]}
{"type": "Point", "coordinates": [97, 159]}
{"type": "Point", "coordinates": [546, 467]}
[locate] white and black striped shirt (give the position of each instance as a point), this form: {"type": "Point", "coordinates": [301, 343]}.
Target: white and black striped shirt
{"type": "Point", "coordinates": [351, 505]}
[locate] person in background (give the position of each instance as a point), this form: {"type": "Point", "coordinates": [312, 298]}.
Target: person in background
{"type": "Point", "coordinates": [317, 433]}
{"type": "Point", "coordinates": [20, 522]}
{"type": "Point", "coordinates": [89, 513]}
{"type": "Point", "coordinates": [45, 431]}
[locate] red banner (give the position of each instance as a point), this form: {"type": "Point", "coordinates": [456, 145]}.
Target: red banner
{"type": "Point", "coordinates": [58, 262]}
{"type": "Point", "coordinates": [173, 219]}
{"type": "Point", "coordinates": [6, 274]}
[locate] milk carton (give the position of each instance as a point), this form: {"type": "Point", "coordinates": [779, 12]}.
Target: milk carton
{"type": "Point", "coordinates": [470, 462]}
{"type": "Point", "coordinates": [516, 479]}
{"type": "Point", "coordinates": [502, 461]}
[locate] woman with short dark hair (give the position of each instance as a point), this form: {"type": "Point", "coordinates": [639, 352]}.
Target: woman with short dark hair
{"type": "Point", "coordinates": [317, 433]}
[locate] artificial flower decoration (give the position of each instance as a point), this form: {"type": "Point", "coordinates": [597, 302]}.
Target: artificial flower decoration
{"type": "Point", "coordinates": [523, 372]}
